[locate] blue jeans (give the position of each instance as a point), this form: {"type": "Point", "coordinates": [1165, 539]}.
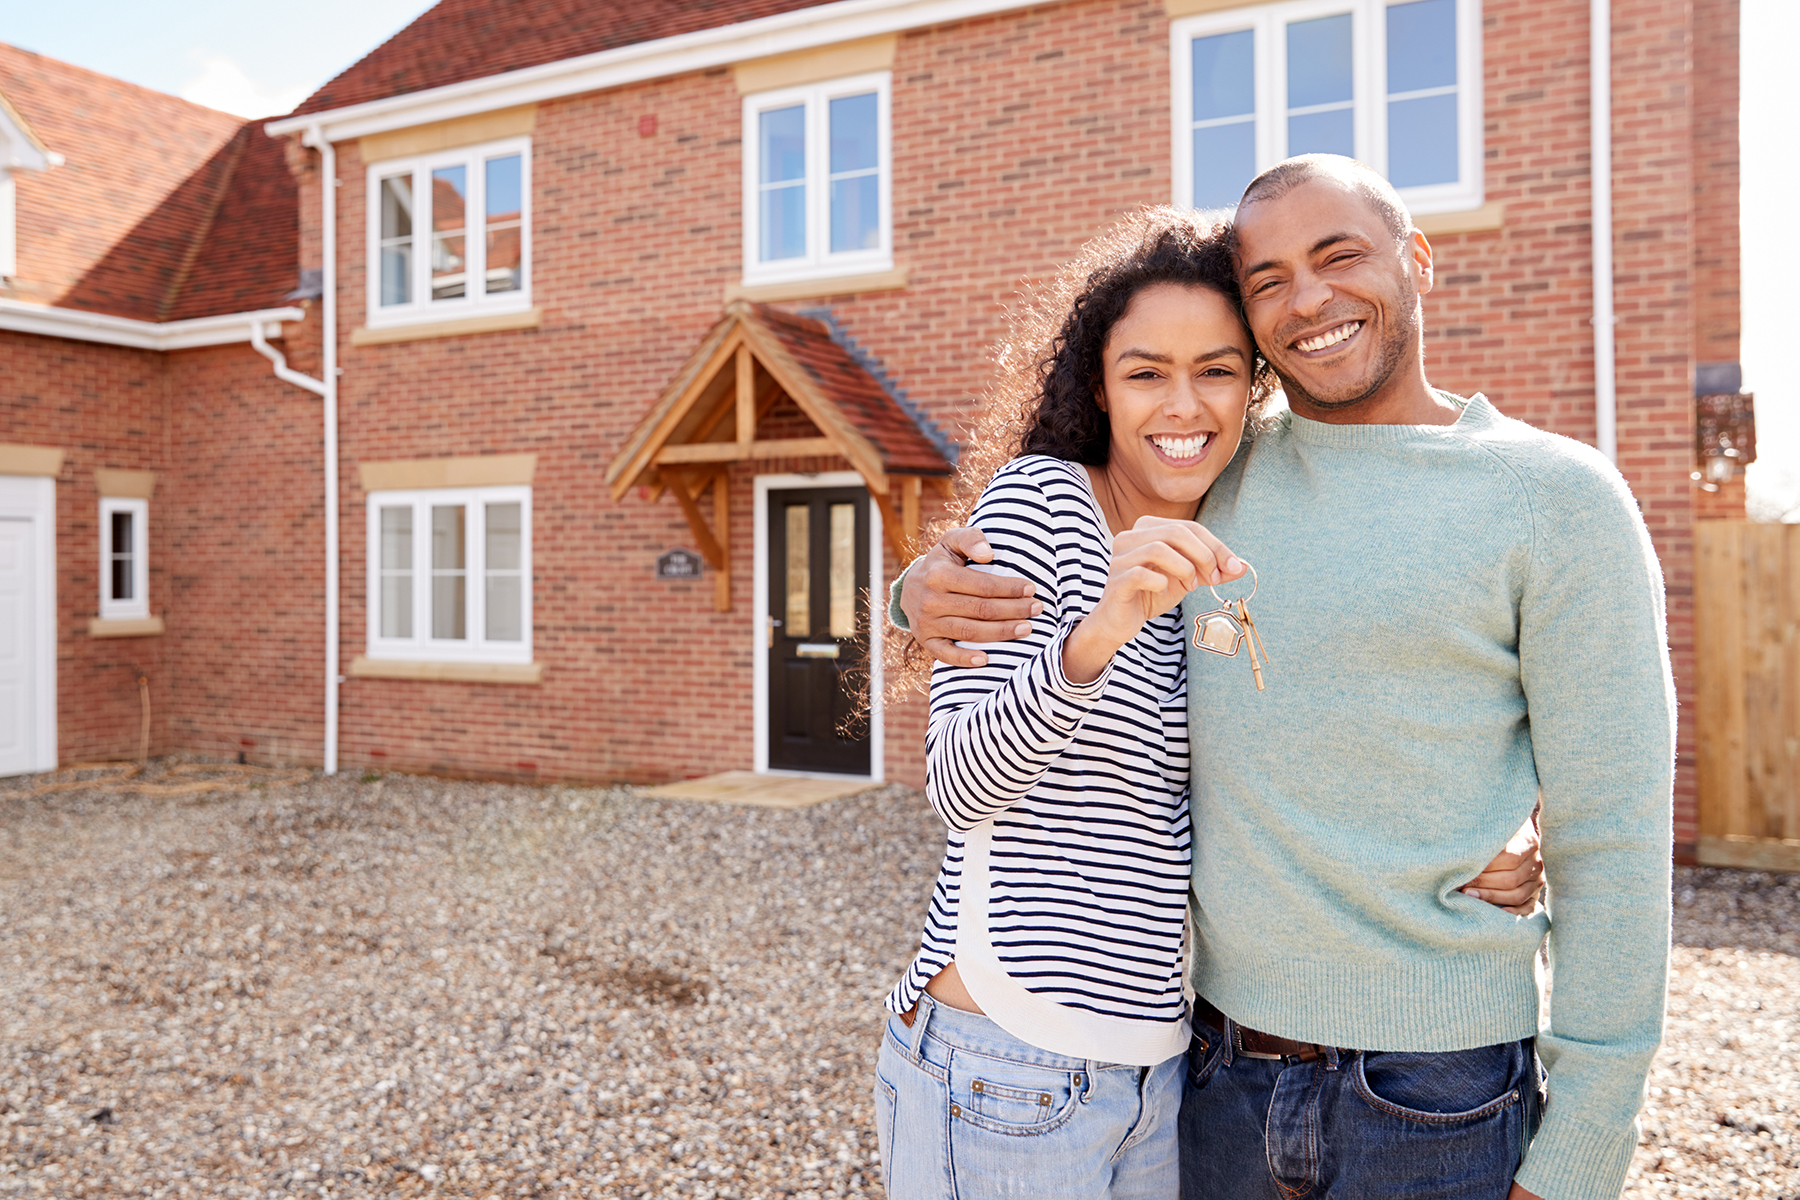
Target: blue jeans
{"type": "Point", "coordinates": [1356, 1125]}
{"type": "Point", "coordinates": [966, 1111]}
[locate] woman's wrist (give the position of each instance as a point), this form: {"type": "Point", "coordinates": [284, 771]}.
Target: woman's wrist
{"type": "Point", "coordinates": [1087, 650]}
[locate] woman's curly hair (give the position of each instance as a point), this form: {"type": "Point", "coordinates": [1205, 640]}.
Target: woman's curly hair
{"type": "Point", "coordinates": [1045, 395]}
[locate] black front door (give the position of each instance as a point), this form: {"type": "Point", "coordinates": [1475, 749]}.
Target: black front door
{"type": "Point", "coordinates": [818, 639]}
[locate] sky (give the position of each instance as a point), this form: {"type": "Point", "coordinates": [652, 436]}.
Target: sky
{"type": "Point", "coordinates": [258, 61]}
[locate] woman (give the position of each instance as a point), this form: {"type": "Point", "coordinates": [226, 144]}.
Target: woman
{"type": "Point", "coordinates": [1036, 1040]}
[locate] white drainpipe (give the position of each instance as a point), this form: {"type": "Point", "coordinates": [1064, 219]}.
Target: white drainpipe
{"type": "Point", "coordinates": [1606, 398]}
{"type": "Point", "coordinates": [315, 137]}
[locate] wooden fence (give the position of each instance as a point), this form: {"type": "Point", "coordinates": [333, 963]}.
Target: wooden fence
{"type": "Point", "coordinates": [1747, 701]}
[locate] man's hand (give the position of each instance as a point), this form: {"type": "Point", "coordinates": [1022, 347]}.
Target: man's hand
{"type": "Point", "coordinates": [946, 602]}
{"type": "Point", "coordinates": [1513, 879]}
{"type": "Point", "coordinates": [1519, 1193]}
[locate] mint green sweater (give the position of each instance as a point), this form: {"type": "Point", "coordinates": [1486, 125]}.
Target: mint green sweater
{"type": "Point", "coordinates": [1458, 617]}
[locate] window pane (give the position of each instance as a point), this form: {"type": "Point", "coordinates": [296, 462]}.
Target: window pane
{"type": "Point", "coordinates": [448, 581]}
{"type": "Point", "coordinates": [854, 143]}
{"type": "Point", "coordinates": [396, 240]}
{"type": "Point", "coordinates": [784, 222]}
{"type": "Point", "coordinates": [505, 615]}
{"type": "Point", "coordinates": [1422, 141]}
{"type": "Point", "coordinates": [503, 537]}
{"type": "Point", "coordinates": [856, 213]}
{"type": "Point", "coordinates": [1224, 163]}
{"type": "Point", "coordinates": [843, 570]}
{"type": "Point", "coordinates": [1421, 45]}
{"type": "Point", "coordinates": [1318, 64]}
{"type": "Point", "coordinates": [449, 222]}
{"type": "Point", "coordinates": [798, 621]}
{"type": "Point", "coordinates": [504, 206]}
{"type": "Point", "coordinates": [396, 572]}
{"type": "Point", "coordinates": [120, 584]}
{"type": "Point", "coordinates": [1322, 133]}
{"type": "Point", "coordinates": [782, 133]}
{"type": "Point", "coordinates": [1225, 76]}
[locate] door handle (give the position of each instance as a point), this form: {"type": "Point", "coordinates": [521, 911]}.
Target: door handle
{"type": "Point", "coordinates": [773, 623]}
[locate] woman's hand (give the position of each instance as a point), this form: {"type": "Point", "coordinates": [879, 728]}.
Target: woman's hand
{"type": "Point", "coordinates": [1154, 564]}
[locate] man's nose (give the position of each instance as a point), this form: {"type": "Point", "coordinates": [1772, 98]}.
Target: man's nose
{"type": "Point", "coordinates": [1311, 295]}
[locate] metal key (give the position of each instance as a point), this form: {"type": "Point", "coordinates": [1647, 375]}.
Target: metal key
{"type": "Point", "coordinates": [1221, 630]}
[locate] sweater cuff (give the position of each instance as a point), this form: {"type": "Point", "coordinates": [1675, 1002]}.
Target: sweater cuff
{"type": "Point", "coordinates": [1570, 1159]}
{"type": "Point", "coordinates": [896, 614]}
{"type": "Point", "coordinates": [1084, 694]}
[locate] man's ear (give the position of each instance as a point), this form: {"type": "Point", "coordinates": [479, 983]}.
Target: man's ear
{"type": "Point", "coordinates": [1418, 255]}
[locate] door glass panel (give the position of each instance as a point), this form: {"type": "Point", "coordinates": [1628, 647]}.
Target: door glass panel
{"type": "Point", "coordinates": [449, 583]}
{"type": "Point", "coordinates": [119, 585]}
{"type": "Point", "coordinates": [504, 199]}
{"type": "Point", "coordinates": [449, 232]}
{"type": "Point", "coordinates": [1321, 94]}
{"type": "Point", "coordinates": [855, 174]}
{"type": "Point", "coordinates": [797, 623]}
{"type": "Point", "coordinates": [396, 240]}
{"type": "Point", "coordinates": [782, 154]}
{"type": "Point", "coordinates": [1224, 104]}
{"type": "Point", "coordinates": [505, 614]}
{"type": "Point", "coordinates": [843, 571]}
{"type": "Point", "coordinates": [396, 572]}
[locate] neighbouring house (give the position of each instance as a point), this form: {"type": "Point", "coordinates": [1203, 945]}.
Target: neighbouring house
{"type": "Point", "coordinates": [627, 346]}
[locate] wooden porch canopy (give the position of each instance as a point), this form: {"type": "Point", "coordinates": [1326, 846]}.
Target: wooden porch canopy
{"type": "Point", "coordinates": [707, 419]}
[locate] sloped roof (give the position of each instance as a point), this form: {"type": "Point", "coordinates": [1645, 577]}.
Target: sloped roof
{"type": "Point", "coordinates": [161, 209]}
{"type": "Point", "coordinates": [471, 39]}
{"type": "Point", "coordinates": [905, 448]}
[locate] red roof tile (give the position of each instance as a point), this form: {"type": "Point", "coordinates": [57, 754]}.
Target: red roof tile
{"type": "Point", "coordinates": [471, 39]}
{"type": "Point", "coordinates": [904, 447]}
{"type": "Point", "coordinates": [161, 209]}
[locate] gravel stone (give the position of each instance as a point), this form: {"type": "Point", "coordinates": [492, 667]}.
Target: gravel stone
{"type": "Point", "coordinates": [419, 987]}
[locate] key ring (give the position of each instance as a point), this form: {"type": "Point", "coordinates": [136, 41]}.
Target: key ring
{"type": "Point", "coordinates": [1254, 584]}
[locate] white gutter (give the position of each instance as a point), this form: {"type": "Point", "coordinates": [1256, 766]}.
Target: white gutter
{"type": "Point", "coordinates": [1606, 395]}
{"type": "Point", "coordinates": [328, 185]}
{"type": "Point", "coordinates": [282, 370]}
{"type": "Point", "coordinates": [804, 29]}
{"type": "Point", "coordinates": [50, 321]}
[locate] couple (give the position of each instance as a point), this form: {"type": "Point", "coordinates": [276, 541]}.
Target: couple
{"type": "Point", "coordinates": [1466, 621]}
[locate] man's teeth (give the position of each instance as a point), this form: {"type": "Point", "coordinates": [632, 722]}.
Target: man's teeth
{"type": "Point", "coordinates": [1181, 447]}
{"type": "Point", "coordinates": [1330, 338]}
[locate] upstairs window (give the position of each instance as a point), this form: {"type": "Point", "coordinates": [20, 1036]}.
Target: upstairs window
{"type": "Point", "coordinates": [1396, 85]}
{"type": "Point", "coordinates": [124, 559]}
{"type": "Point", "coordinates": [816, 181]}
{"type": "Point", "coordinates": [450, 575]}
{"type": "Point", "coordinates": [450, 233]}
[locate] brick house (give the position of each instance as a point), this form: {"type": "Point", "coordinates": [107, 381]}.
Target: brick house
{"type": "Point", "coordinates": [643, 337]}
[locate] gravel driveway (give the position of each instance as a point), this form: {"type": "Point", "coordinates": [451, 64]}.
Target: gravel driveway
{"type": "Point", "coordinates": [413, 986]}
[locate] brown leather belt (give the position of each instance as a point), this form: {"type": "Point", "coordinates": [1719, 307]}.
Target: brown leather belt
{"type": "Point", "coordinates": [1252, 1043]}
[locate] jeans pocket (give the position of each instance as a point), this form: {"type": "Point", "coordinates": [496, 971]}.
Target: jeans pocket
{"type": "Point", "coordinates": [1205, 1051]}
{"type": "Point", "coordinates": [1443, 1088]}
{"type": "Point", "coordinates": [1012, 1098]}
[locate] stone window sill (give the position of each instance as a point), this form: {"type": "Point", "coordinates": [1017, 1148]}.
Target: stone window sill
{"type": "Point", "coordinates": [381, 335]}
{"type": "Point", "coordinates": [117, 627]}
{"type": "Point", "coordinates": [363, 667]}
{"type": "Point", "coordinates": [817, 289]}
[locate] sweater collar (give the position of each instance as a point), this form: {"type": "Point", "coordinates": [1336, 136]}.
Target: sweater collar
{"type": "Point", "coordinates": [1477, 413]}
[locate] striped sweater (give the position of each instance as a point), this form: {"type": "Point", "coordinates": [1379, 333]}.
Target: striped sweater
{"type": "Point", "coordinates": [1063, 892]}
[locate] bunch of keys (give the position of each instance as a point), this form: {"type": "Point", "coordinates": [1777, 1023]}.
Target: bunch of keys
{"type": "Point", "coordinates": [1221, 630]}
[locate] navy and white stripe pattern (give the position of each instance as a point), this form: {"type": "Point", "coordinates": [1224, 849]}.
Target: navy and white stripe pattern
{"type": "Point", "coordinates": [1087, 784]}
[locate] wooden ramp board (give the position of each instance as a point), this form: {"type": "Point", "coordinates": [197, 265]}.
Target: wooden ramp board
{"type": "Point", "coordinates": [763, 791]}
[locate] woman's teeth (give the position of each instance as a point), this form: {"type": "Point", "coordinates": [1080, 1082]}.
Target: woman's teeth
{"type": "Point", "coordinates": [1329, 338]}
{"type": "Point", "coordinates": [1181, 447]}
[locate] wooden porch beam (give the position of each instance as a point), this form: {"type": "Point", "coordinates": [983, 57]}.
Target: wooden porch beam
{"type": "Point", "coordinates": [721, 485]}
{"type": "Point", "coordinates": [717, 452]}
{"type": "Point", "coordinates": [746, 394]}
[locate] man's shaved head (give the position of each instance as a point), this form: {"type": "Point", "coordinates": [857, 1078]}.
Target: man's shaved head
{"type": "Point", "coordinates": [1284, 177]}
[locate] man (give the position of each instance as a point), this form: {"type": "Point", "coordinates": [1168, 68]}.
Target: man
{"type": "Point", "coordinates": [1464, 613]}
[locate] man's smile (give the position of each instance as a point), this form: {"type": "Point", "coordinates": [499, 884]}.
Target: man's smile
{"type": "Point", "coordinates": [1328, 339]}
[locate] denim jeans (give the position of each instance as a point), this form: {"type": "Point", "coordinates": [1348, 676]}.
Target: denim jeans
{"type": "Point", "coordinates": [966, 1111]}
{"type": "Point", "coordinates": [1356, 1125]}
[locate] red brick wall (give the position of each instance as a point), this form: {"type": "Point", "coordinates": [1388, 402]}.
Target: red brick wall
{"type": "Point", "coordinates": [104, 406]}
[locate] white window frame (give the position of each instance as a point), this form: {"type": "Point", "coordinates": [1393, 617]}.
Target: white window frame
{"type": "Point", "coordinates": [1369, 80]}
{"type": "Point", "coordinates": [472, 302]}
{"type": "Point", "coordinates": [139, 605]}
{"type": "Point", "coordinates": [421, 646]}
{"type": "Point", "coordinates": [818, 262]}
